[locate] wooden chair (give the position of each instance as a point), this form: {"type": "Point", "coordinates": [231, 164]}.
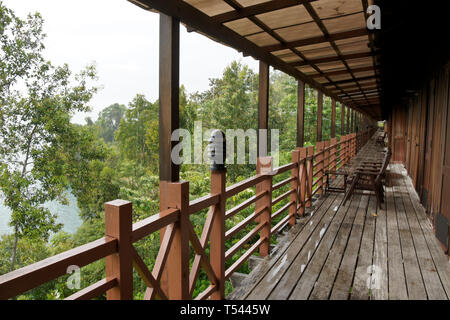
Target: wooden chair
{"type": "Point", "coordinates": [369, 178]}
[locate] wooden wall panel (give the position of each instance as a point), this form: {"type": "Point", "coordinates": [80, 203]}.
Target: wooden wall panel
{"type": "Point", "coordinates": [420, 138]}
{"type": "Point", "coordinates": [426, 195]}
{"type": "Point", "coordinates": [398, 129]}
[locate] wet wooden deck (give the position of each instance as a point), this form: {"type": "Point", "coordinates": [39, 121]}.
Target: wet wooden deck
{"type": "Point", "coordinates": [356, 251]}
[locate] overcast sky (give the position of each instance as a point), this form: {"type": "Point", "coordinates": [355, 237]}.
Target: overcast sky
{"type": "Point", "coordinates": [123, 40]}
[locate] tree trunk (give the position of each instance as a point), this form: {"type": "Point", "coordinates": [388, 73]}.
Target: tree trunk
{"type": "Point", "coordinates": [14, 253]}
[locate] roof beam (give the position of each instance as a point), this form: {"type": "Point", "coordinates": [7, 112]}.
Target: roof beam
{"type": "Point", "coordinates": [341, 72]}
{"type": "Point", "coordinates": [332, 59]}
{"type": "Point", "coordinates": [363, 89]}
{"type": "Point", "coordinates": [349, 80]}
{"type": "Point", "coordinates": [316, 40]}
{"type": "Point", "coordinates": [205, 24]}
{"type": "Point", "coordinates": [257, 9]}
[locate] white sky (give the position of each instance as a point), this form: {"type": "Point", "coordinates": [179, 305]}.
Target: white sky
{"type": "Point", "coordinates": [123, 40]}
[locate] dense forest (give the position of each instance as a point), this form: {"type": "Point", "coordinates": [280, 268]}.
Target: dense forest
{"type": "Point", "coordinates": [43, 154]}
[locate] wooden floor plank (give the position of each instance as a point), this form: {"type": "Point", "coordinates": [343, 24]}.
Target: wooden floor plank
{"type": "Point", "coordinates": [414, 280]}
{"type": "Point", "coordinates": [433, 285]}
{"type": "Point", "coordinates": [338, 230]}
{"type": "Point", "coordinates": [358, 252]}
{"type": "Point", "coordinates": [332, 264]}
{"type": "Point", "coordinates": [359, 289]}
{"type": "Point", "coordinates": [265, 286]}
{"type": "Point", "coordinates": [294, 237]}
{"type": "Point", "coordinates": [379, 281]}
{"type": "Point", "coordinates": [396, 272]}
{"type": "Point", "coordinates": [343, 282]}
{"type": "Point", "coordinates": [441, 262]}
{"type": "Point", "coordinates": [296, 267]}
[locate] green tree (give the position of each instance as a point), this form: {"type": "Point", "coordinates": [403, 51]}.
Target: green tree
{"type": "Point", "coordinates": [132, 133]}
{"type": "Point", "coordinates": [37, 102]}
{"type": "Point", "coordinates": [109, 121]}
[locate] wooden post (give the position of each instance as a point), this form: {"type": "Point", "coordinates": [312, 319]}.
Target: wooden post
{"type": "Point", "coordinates": [351, 121]}
{"type": "Point", "coordinates": [354, 122]}
{"type": "Point", "coordinates": [326, 160]}
{"type": "Point", "coordinates": [347, 131]}
{"type": "Point", "coordinates": [264, 163]}
{"type": "Point", "coordinates": [333, 142]}
{"type": "Point", "coordinates": [118, 225]}
{"type": "Point", "coordinates": [217, 238]}
{"type": "Point", "coordinates": [302, 179]}
{"type": "Point", "coordinates": [300, 113]}
{"type": "Point", "coordinates": [333, 118]}
{"type": "Point", "coordinates": [169, 68]}
{"type": "Point", "coordinates": [263, 108]}
{"type": "Point", "coordinates": [309, 173]}
{"type": "Point", "coordinates": [320, 165]}
{"type": "Point", "coordinates": [342, 120]}
{"type": "Point", "coordinates": [294, 186]}
{"type": "Point", "coordinates": [264, 166]}
{"type": "Point", "coordinates": [319, 116]}
{"type": "Point", "coordinates": [178, 260]}
{"type": "Point", "coordinates": [346, 149]}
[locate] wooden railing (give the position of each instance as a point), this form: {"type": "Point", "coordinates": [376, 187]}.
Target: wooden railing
{"type": "Point", "coordinates": [175, 273]}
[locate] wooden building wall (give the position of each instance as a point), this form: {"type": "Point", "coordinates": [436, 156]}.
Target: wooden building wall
{"type": "Point", "coordinates": [420, 139]}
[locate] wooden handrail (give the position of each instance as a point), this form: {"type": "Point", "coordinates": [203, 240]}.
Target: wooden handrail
{"type": "Point", "coordinates": [251, 218]}
{"type": "Point", "coordinates": [154, 223]}
{"type": "Point", "coordinates": [243, 185]}
{"type": "Point", "coordinates": [203, 203]}
{"type": "Point", "coordinates": [282, 183]}
{"type": "Point", "coordinates": [29, 277]}
{"type": "Point", "coordinates": [94, 290]}
{"type": "Point", "coordinates": [177, 230]}
{"type": "Point", "coordinates": [244, 204]}
{"type": "Point", "coordinates": [243, 241]}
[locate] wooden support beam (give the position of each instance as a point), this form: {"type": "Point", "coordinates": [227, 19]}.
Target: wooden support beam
{"type": "Point", "coordinates": [263, 108]}
{"type": "Point", "coordinates": [118, 225]}
{"type": "Point", "coordinates": [348, 121]}
{"type": "Point", "coordinates": [294, 186]}
{"type": "Point", "coordinates": [332, 59]}
{"type": "Point", "coordinates": [169, 74]}
{"type": "Point", "coordinates": [302, 179]}
{"type": "Point", "coordinates": [178, 260]}
{"type": "Point", "coordinates": [319, 116]}
{"type": "Point", "coordinates": [349, 81]}
{"type": "Point", "coordinates": [198, 20]}
{"type": "Point", "coordinates": [217, 238]}
{"type": "Point", "coordinates": [316, 40]}
{"type": "Point", "coordinates": [264, 166]}
{"type": "Point", "coordinates": [342, 120]}
{"type": "Point", "coordinates": [169, 68]}
{"type": "Point", "coordinates": [352, 121]}
{"type": "Point", "coordinates": [257, 9]}
{"type": "Point", "coordinates": [333, 118]}
{"type": "Point", "coordinates": [341, 72]}
{"type": "Point", "coordinates": [300, 113]}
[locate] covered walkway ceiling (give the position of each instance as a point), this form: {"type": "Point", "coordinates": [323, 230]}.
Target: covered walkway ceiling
{"type": "Point", "coordinates": [324, 43]}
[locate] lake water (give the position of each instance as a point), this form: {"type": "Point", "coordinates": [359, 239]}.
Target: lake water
{"type": "Point", "coordinates": [67, 215]}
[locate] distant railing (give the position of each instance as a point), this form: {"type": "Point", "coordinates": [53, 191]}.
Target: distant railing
{"type": "Point", "coordinates": [173, 275]}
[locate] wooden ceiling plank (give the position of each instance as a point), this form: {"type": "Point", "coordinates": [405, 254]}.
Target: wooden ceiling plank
{"type": "Point", "coordinates": [257, 9]}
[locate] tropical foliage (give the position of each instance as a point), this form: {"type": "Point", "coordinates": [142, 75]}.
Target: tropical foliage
{"type": "Point", "coordinates": [43, 154]}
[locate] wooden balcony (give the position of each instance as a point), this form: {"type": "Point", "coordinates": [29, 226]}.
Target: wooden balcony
{"type": "Point", "coordinates": [357, 252]}
{"type": "Point", "coordinates": [278, 201]}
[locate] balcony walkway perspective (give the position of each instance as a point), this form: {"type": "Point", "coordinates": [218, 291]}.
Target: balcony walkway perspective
{"type": "Point", "coordinates": [356, 251]}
